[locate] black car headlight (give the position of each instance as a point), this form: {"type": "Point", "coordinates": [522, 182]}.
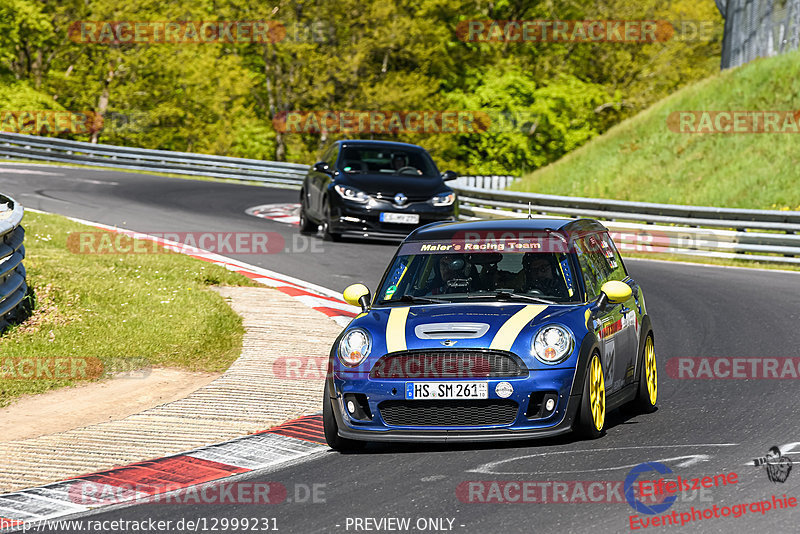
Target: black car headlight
{"type": "Point", "coordinates": [354, 347]}
{"type": "Point", "coordinates": [351, 193]}
{"type": "Point", "coordinates": [553, 344]}
{"type": "Point", "coordinates": [443, 199]}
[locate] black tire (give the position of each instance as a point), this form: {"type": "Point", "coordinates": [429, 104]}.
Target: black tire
{"type": "Point", "coordinates": [331, 429]}
{"type": "Point", "coordinates": [647, 386]}
{"type": "Point", "coordinates": [588, 426]}
{"type": "Point", "coordinates": [327, 235]}
{"type": "Point", "coordinates": [307, 226]}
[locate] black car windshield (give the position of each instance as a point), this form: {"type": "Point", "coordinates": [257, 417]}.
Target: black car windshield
{"type": "Point", "coordinates": [388, 160]}
{"type": "Point", "coordinates": [443, 270]}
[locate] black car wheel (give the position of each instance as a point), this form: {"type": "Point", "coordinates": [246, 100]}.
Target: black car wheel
{"type": "Point", "coordinates": [307, 226]}
{"type": "Point", "coordinates": [335, 441]}
{"type": "Point", "coordinates": [327, 235]}
{"type": "Point", "coordinates": [592, 414]}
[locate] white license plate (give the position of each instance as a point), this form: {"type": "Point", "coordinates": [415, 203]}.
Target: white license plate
{"type": "Point", "coordinates": [447, 390]}
{"type": "Point", "coordinates": [402, 218]}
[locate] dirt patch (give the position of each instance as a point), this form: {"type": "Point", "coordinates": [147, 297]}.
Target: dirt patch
{"type": "Point", "coordinates": [69, 408]}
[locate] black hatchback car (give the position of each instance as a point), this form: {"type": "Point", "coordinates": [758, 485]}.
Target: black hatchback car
{"type": "Point", "coordinates": [374, 189]}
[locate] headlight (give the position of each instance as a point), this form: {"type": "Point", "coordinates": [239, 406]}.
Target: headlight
{"type": "Point", "coordinates": [351, 193]}
{"type": "Point", "coordinates": [445, 199]}
{"type": "Point", "coordinates": [553, 344]}
{"type": "Point", "coordinates": [354, 347]}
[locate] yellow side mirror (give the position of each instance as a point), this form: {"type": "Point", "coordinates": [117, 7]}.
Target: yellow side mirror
{"type": "Point", "coordinates": [357, 295]}
{"type": "Point", "coordinates": [617, 292]}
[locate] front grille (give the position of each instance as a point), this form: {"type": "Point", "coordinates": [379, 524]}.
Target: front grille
{"type": "Point", "coordinates": [449, 412]}
{"type": "Point", "coordinates": [448, 363]}
{"type": "Point", "coordinates": [413, 198]}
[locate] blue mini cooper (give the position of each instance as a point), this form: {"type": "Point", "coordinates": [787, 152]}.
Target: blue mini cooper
{"type": "Point", "coordinates": [492, 330]}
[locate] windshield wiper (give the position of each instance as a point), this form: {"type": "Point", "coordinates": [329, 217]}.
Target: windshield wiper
{"type": "Point", "coordinates": [510, 294]}
{"type": "Point", "coordinates": [412, 298]}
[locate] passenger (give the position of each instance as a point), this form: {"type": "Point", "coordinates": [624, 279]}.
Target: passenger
{"type": "Point", "coordinates": [540, 275]}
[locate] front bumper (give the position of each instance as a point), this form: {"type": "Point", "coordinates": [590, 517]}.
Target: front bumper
{"type": "Point", "coordinates": [364, 219]}
{"type": "Point", "coordinates": [560, 421]}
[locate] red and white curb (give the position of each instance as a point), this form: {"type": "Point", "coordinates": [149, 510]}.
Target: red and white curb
{"type": "Point", "coordinates": [282, 213]}
{"type": "Point", "coordinates": [322, 299]}
{"type": "Point", "coordinates": [144, 481]}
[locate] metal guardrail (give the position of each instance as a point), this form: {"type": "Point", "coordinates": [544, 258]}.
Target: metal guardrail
{"type": "Point", "coordinates": [761, 235]}
{"type": "Point", "coordinates": [486, 181]}
{"type": "Point", "coordinates": [65, 151]}
{"type": "Point", "coordinates": [13, 287]}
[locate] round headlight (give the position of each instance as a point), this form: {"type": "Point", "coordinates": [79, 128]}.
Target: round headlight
{"type": "Point", "coordinates": [354, 347]}
{"type": "Point", "coordinates": [553, 344]}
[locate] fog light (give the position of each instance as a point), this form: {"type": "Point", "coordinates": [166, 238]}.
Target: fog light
{"type": "Point", "coordinates": [549, 405]}
{"type": "Point", "coordinates": [357, 406]}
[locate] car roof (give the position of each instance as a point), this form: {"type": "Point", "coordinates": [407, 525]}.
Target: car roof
{"type": "Point", "coordinates": [354, 142]}
{"type": "Point", "coordinates": [449, 230]}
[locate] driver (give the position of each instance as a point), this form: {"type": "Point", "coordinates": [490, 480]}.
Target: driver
{"type": "Point", "coordinates": [455, 274]}
{"type": "Point", "coordinates": [540, 275]}
{"type": "Point", "coordinates": [399, 161]}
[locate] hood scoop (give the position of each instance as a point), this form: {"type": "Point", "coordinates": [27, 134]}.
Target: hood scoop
{"type": "Point", "coordinates": [451, 330]}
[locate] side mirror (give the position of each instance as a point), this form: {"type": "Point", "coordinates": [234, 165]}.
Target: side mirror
{"type": "Point", "coordinates": [616, 292]}
{"type": "Point", "coordinates": [613, 292]}
{"type": "Point", "coordinates": [357, 295]}
{"type": "Point", "coordinates": [449, 175]}
{"type": "Point", "coordinates": [321, 166]}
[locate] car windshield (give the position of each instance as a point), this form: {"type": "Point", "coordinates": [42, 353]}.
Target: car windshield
{"type": "Point", "coordinates": [444, 271]}
{"type": "Point", "coordinates": [386, 160]}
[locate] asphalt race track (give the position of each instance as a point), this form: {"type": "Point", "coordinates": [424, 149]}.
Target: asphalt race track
{"type": "Point", "coordinates": [703, 427]}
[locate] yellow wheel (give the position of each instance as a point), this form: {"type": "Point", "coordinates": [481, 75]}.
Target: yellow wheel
{"type": "Point", "coordinates": [650, 370]}
{"type": "Point", "coordinates": [647, 388]}
{"type": "Point", "coordinates": [597, 394]}
{"type": "Point", "coordinates": [592, 414]}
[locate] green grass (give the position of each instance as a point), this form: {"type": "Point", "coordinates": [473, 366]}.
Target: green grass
{"type": "Point", "coordinates": [641, 159]}
{"type": "Point", "coordinates": [126, 310]}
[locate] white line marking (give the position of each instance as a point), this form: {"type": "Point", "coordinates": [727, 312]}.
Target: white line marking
{"type": "Point", "coordinates": [488, 468]}
{"type": "Point", "coordinates": [28, 171]}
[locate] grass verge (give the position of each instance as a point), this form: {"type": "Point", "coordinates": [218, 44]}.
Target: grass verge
{"type": "Point", "coordinates": [642, 159]}
{"type": "Point", "coordinates": [97, 314]}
